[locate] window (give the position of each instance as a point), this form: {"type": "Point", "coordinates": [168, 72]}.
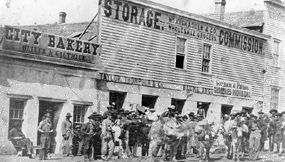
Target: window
{"type": "Point", "coordinates": [149, 101]}
{"type": "Point", "coordinates": [180, 52]}
{"type": "Point", "coordinates": [118, 98]}
{"type": "Point", "coordinates": [206, 61]}
{"type": "Point", "coordinates": [16, 111]}
{"type": "Point", "coordinates": [274, 98]}
{"type": "Point", "coordinates": [276, 53]}
{"type": "Point", "coordinates": [79, 113]}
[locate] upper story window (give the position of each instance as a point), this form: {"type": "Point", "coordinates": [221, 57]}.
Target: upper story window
{"type": "Point", "coordinates": [206, 60]}
{"type": "Point", "coordinates": [275, 54]}
{"type": "Point", "coordinates": [274, 100]}
{"type": "Point", "coordinates": [180, 52]}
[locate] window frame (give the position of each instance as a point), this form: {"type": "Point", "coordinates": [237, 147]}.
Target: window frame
{"type": "Point", "coordinates": [12, 120]}
{"type": "Point", "coordinates": [279, 51]}
{"type": "Point", "coordinates": [181, 54]}
{"type": "Point", "coordinates": [86, 106]}
{"type": "Point", "coordinates": [278, 101]}
{"type": "Point", "coordinates": [210, 59]}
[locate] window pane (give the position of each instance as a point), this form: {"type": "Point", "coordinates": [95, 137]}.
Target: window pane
{"type": "Point", "coordinates": [180, 61]}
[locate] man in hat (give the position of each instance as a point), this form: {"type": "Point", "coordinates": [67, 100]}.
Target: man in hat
{"type": "Point", "coordinates": [200, 110]}
{"type": "Point", "coordinates": [110, 108]}
{"type": "Point", "coordinates": [279, 130]}
{"type": "Point", "coordinates": [17, 137]}
{"type": "Point", "coordinates": [88, 129]}
{"type": "Point", "coordinates": [170, 112]}
{"type": "Point", "coordinates": [262, 121]}
{"type": "Point", "coordinates": [67, 133]}
{"type": "Point", "coordinates": [107, 137]}
{"type": "Point", "coordinates": [272, 128]}
{"type": "Point", "coordinates": [45, 128]}
{"type": "Point", "coordinates": [77, 140]}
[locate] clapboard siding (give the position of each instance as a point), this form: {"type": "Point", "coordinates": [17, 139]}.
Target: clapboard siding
{"type": "Point", "coordinates": [275, 26]}
{"type": "Point", "coordinates": [141, 52]}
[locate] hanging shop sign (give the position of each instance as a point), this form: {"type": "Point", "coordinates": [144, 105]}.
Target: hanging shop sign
{"type": "Point", "coordinates": [133, 13]}
{"type": "Point", "coordinates": [130, 80]}
{"type": "Point", "coordinates": [50, 45]}
{"type": "Point", "coordinates": [234, 89]}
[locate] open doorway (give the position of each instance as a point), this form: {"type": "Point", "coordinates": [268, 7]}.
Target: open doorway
{"type": "Point", "coordinates": [226, 109]}
{"type": "Point", "coordinates": [149, 101]}
{"type": "Point", "coordinates": [54, 108]}
{"type": "Point", "coordinates": [118, 98]}
{"type": "Point", "coordinates": [204, 106]}
{"type": "Point", "coordinates": [247, 109]}
{"type": "Point", "coordinates": [179, 104]}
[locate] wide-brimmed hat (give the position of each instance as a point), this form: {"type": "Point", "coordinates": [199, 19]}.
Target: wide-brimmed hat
{"type": "Point", "coordinates": [151, 109]}
{"type": "Point", "coordinates": [141, 109]}
{"type": "Point", "coordinates": [68, 115]}
{"type": "Point", "coordinates": [273, 111]}
{"type": "Point", "coordinates": [171, 107]}
{"type": "Point", "coordinates": [191, 114]}
{"type": "Point", "coordinates": [93, 115]}
{"type": "Point", "coordinates": [47, 115]}
{"type": "Point", "coordinates": [260, 112]}
{"type": "Point", "coordinates": [78, 126]}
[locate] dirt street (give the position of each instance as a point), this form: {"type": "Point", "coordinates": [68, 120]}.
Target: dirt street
{"type": "Point", "coordinates": [264, 157]}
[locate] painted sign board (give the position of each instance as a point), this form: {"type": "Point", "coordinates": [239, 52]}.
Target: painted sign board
{"type": "Point", "coordinates": [131, 12]}
{"type": "Point", "coordinates": [51, 45]}
{"type": "Point", "coordinates": [233, 89]}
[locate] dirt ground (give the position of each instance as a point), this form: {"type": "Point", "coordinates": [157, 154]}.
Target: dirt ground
{"type": "Point", "coordinates": [264, 157]}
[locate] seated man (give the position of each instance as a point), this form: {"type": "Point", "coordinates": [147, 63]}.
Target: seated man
{"type": "Point", "coordinates": [20, 142]}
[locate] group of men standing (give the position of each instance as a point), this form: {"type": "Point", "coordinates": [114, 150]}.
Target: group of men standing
{"type": "Point", "coordinates": [126, 130]}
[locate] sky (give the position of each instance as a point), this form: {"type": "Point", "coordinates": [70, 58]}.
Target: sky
{"type": "Point", "coordinates": [31, 12]}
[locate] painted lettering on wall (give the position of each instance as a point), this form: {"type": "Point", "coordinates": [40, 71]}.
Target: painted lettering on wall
{"type": "Point", "coordinates": [133, 13]}
{"type": "Point", "coordinates": [201, 90]}
{"type": "Point", "coordinates": [228, 88]}
{"type": "Point", "coordinates": [50, 45]}
{"type": "Point", "coordinates": [130, 80]}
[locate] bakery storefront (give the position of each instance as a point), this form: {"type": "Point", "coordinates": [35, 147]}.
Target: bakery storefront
{"type": "Point", "coordinates": [42, 73]}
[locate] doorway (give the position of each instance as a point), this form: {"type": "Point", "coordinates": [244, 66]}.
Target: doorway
{"type": "Point", "coordinates": [205, 106]}
{"type": "Point", "coordinates": [54, 108]}
{"type": "Point", "coordinates": [118, 98]}
{"type": "Point", "coordinates": [149, 101]}
{"type": "Point", "coordinates": [247, 109]}
{"type": "Point", "coordinates": [226, 109]}
{"type": "Point", "coordinates": [179, 104]}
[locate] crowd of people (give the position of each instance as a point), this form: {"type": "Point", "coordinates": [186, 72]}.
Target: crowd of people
{"type": "Point", "coordinates": [124, 134]}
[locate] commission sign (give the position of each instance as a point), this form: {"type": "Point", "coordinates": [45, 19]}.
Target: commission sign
{"type": "Point", "coordinates": [50, 45]}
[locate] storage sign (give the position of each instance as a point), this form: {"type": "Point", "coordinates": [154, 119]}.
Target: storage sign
{"type": "Point", "coordinates": [50, 45]}
{"type": "Point", "coordinates": [133, 13]}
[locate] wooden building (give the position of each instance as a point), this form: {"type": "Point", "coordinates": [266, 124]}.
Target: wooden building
{"type": "Point", "coordinates": [39, 73]}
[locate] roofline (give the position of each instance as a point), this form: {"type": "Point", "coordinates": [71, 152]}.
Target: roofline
{"type": "Point", "coordinates": [204, 19]}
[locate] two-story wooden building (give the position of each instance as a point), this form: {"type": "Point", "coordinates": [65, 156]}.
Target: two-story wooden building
{"type": "Point", "coordinates": [42, 73]}
{"type": "Point", "coordinates": [156, 56]}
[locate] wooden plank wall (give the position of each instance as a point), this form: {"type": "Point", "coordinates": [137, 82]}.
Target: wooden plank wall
{"type": "Point", "coordinates": [275, 26]}
{"type": "Point", "coordinates": [138, 51]}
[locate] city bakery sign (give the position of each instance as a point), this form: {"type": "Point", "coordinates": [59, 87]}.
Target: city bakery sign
{"type": "Point", "coordinates": [49, 45]}
{"type": "Point", "coordinates": [129, 12]}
